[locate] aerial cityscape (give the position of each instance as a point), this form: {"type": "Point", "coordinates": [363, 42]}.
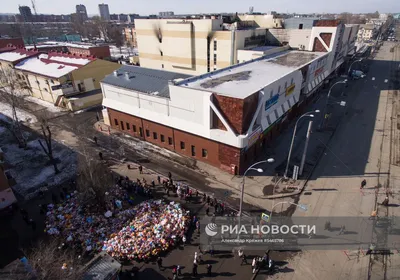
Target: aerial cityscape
{"type": "Point", "coordinates": [240, 141]}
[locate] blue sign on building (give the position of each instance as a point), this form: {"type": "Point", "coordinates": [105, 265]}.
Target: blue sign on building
{"type": "Point", "coordinates": [272, 101]}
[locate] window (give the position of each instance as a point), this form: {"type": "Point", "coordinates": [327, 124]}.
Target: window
{"type": "Point", "coordinates": [193, 151]}
{"type": "Point", "coordinates": [115, 121]}
{"type": "Point", "coordinates": [162, 138]}
{"type": "Point", "coordinates": [285, 84]}
{"type": "Point", "coordinates": [161, 53]}
{"type": "Point", "coordinates": [155, 136]}
{"type": "Point", "coordinates": [134, 128]}
{"type": "Point", "coordinates": [182, 145]}
{"type": "Point", "coordinates": [51, 81]}
{"type": "Point", "coordinates": [215, 45]}
{"type": "Point", "coordinates": [140, 132]}
{"type": "Point", "coordinates": [291, 81]}
{"type": "Point", "coordinates": [45, 89]}
{"type": "Point", "coordinates": [276, 114]}
{"type": "Point", "coordinates": [300, 26]}
{"type": "Point", "coordinates": [279, 89]}
{"type": "Point", "coordinates": [204, 153]}
{"type": "Point", "coordinates": [147, 133]}
{"type": "Point", "coordinates": [128, 126]}
{"type": "Point", "coordinates": [272, 93]}
{"type": "Point", "coordinates": [18, 76]}
{"type": "Point", "coordinates": [283, 108]}
{"type": "Point", "coordinates": [269, 120]}
{"type": "Point", "coordinates": [170, 141]}
{"type": "Point", "coordinates": [122, 125]}
{"type": "Point", "coordinates": [162, 66]}
{"type": "Point", "coordinates": [215, 59]}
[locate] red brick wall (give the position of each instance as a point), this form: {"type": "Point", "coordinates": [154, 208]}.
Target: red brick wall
{"type": "Point", "coordinates": [249, 109]}
{"type": "Point", "coordinates": [132, 120]}
{"type": "Point", "coordinates": [17, 42]}
{"type": "Point", "coordinates": [199, 143]}
{"type": "Point", "coordinates": [232, 110]}
{"type": "Point", "coordinates": [228, 155]}
{"type": "Point", "coordinates": [326, 37]}
{"type": "Point", "coordinates": [100, 52]}
{"type": "Point", "coordinates": [327, 22]}
{"type": "Point", "coordinates": [159, 130]}
{"type": "Point", "coordinates": [318, 47]}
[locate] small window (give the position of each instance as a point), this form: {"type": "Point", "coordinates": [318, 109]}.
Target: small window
{"type": "Point", "coordinates": [169, 140]}
{"type": "Point", "coordinates": [147, 133]}
{"type": "Point", "coordinates": [155, 136]}
{"type": "Point", "coordinates": [300, 26]}
{"type": "Point", "coordinates": [115, 121]}
{"type": "Point", "coordinates": [45, 89]}
{"type": "Point", "coordinates": [285, 84]}
{"type": "Point", "coordinates": [204, 153]}
{"type": "Point", "coordinates": [215, 59]}
{"type": "Point", "coordinates": [291, 81]}
{"type": "Point", "coordinates": [279, 89]}
{"type": "Point", "coordinates": [193, 151]}
{"type": "Point", "coordinates": [140, 132]}
{"type": "Point", "coordinates": [269, 120]}
{"type": "Point", "coordinates": [128, 126]}
{"type": "Point", "coordinates": [122, 125]}
{"type": "Point", "coordinates": [162, 54]}
{"type": "Point", "coordinates": [51, 81]}
{"type": "Point", "coordinates": [272, 93]}
{"type": "Point", "coordinates": [215, 45]}
{"type": "Point", "coordinates": [182, 145]}
{"type": "Point", "coordinates": [134, 128]}
{"type": "Point", "coordinates": [283, 108]}
{"type": "Point", "coordinates": [276, 114]}
{"type": "Point", "coordinates": [162, 138]}
{"type": "Point", "coordinates": [162, 66]}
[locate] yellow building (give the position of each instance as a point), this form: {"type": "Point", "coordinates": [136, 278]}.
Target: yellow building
{"type": "Point", "coordinates": [197, 46]}
{"type": "Point", "coordinates": [65, 80]}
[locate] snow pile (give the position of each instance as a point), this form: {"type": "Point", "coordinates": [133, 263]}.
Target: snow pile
{"type": "Point", "coordinates": [31, 168]}
{"type": "Point", "coordinates": [23, 116]}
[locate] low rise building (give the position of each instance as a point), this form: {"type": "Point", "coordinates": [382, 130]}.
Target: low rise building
{"type": "Point", "coordinates": [17, 42]}
{"type": "Point", "coordinates": [65, 80]}
{"type": "Point", "coordinates": [224, 118]}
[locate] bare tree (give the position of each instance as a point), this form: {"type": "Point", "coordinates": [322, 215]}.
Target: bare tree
{"type": "Point", "coordinates": [48, 149]}
{"type": "Point", "coordinates": [93, 181]}
{"type": "Point", "coordinates": [102, 26]}
{"type": "Point", "coordinates": [48, 261]}
{"type": "Point", "coordinates": [11, 87]}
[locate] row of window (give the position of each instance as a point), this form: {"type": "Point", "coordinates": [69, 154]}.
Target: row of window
{"type": "Point", "coordinates": [204, 152]}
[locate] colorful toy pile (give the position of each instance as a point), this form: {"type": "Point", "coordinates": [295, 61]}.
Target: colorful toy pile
{"type": "Point", "coordinates": [157, 226]}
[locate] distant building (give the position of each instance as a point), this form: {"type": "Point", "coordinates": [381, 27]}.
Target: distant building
{"type": "Point", "coordinates": [123, 18]}
{"type": "Point", "coordinates": [366, 32]}
{"type": "Point", "coordinates": [130, 36]}
{"type": "Point", "coordinates": [166, 14]}
{"type": "Point", "coordinates": [81, 12]}
{"type": "Point", "coordinates": [104, 11]}
{"type": "Point", "coordinates": [17, 42]}
{"type": "Point", "coordinates": [26, 13]}
{"type": "Point", "coordinates": [114, 17]}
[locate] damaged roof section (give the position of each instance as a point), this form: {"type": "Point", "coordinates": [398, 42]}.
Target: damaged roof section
{"type": "Point", "coordinates": [241, 76]}
{"type": "Point", "coordinates": [294, 59]}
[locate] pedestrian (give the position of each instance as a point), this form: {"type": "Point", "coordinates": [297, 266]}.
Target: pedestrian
{"type": "Point", "coordinates": [95, 140]}
{"type": "Point", "coordinates": [183, 240]}
{"type": "Point", "coordinates": [179, 270]}
{"type": "Point", "coordinates": [197, 193]}
{"type": "Point", "coordinates": [159, 179]}
{"type": "Point", "coordinates": [159, 263]}
{"type": "Point", "coordinates": [209, 267]}
{"type": "Point", "coordinates": [140, 169]}
{"type": "Point", "coordinates": [198, 226]}
{"type": "Point", "coordinates": [101, 155]}
{"type": "Point", "coordinates": [194, 270]}
{"type": "Point", "coordinates": [204, 198]}
{"type": "Point", "coordinates": [253, 264]}
{"type": "Point", "coordinates": [208, 210]}
{"type": "Point", "coordinates": [169, 175]}
{"type": "Point", "coordinates": [244, 259]}
{"type": "Point", "coordinates": [174, 272]}
{"type": "Point", "coordinates": [201, 251]}
{"type": "Point", "coordinates": [363, 184]}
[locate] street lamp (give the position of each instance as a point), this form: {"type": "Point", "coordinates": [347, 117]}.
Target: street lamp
{"type": "Point", "coordinates": [358, 60]}
{"type": "Point", "coordinates": [294, 134]}
{"type": "Point", "coordinates": [327, 100]}
{"type": "Point", "coordinates": [259, 170]}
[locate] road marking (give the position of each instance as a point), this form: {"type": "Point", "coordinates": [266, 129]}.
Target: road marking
{"type": "Point", "coordinates": [386, 80]}
{"type": "Point", "coordinates": [373, 78]}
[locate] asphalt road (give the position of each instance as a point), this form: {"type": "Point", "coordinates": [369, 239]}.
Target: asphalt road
{"type": "Point", "coordinates": [360, 148]}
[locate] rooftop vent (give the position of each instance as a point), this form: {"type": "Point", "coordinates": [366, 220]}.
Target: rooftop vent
{"type": "Point", "coordinates": [127, 76]}
{"type": "Point", "coordinates": [116, 73]}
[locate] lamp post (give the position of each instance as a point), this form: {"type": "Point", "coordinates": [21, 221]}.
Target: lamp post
{"type": "Point", "coordinates": [259, 170]}
{"type": "Point", "coordinates": [327, 100]}
{"type": "Point", "coordinates": [358, 60]}
{"type": "Point", "coordinates": [309, 114]}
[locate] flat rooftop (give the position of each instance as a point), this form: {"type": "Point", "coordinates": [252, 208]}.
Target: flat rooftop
{"type": "Point", "coordinates": [264, 48]}
{"type": "Point", "coordinates": [242, 80]}
{"type": "Point", "coordinates": [145, 80]}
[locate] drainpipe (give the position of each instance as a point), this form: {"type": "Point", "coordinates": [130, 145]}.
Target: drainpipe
{"type": "Point", "coordinates": [233, 46]}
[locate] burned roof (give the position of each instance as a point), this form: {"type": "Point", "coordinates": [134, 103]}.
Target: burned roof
{"type": "Point", "coordinates": [145, 80]}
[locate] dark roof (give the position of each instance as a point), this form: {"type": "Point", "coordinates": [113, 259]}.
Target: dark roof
{"type": "Point", "coordinates": [102, 267]}
{"type": "Point", "coordinates": [144, 80]}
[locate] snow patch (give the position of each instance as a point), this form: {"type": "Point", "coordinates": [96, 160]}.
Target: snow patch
{"type": "Point", "coordinates": [22, 115]}
{"type": "Point", "coordinates": [12, 56]}
{"type": "Point", "coordinates": [49, 106]}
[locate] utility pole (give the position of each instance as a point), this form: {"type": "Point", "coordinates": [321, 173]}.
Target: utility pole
{"type": "Point", "coordinates": [303, 158]}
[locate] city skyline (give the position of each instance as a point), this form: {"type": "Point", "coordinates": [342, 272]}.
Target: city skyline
{"type": "Point", "coordinates": [182, 7]}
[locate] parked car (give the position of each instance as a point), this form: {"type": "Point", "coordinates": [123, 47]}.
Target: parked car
{"type": "Point", "coordinates": [357, 74]}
